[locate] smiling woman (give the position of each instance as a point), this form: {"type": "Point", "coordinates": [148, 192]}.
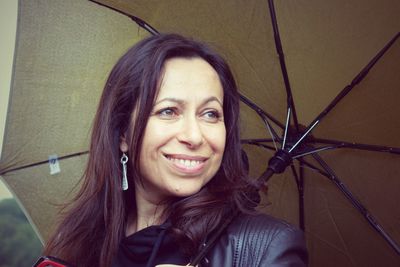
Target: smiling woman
{"type": "Point", "coordinates": [165, 170]}
{"type": "Point", "coordinates": [184, 139]}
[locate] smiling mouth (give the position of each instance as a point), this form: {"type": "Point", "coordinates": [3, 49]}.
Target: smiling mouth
{"type": "Point", "coordinates": [186, 162]}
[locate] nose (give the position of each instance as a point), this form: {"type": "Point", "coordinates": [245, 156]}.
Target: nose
{"type": "Point", "coordinates": [190, 133]}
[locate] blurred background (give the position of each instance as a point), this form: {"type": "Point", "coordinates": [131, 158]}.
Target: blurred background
{"type": "Point", "coordinates": [19, 244]}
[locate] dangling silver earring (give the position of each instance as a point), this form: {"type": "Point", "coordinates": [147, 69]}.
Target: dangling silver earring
{"type": "Point", "coordinates": [124, 160]}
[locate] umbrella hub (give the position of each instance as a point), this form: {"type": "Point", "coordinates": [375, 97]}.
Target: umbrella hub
{"type": "Point", "coordinates": [282, 157]}
{"type": "Point", "coordinates": [279, 161]}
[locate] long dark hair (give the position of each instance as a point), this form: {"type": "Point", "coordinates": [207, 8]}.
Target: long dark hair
{"type": "Point", "coordinates": [94, 222]}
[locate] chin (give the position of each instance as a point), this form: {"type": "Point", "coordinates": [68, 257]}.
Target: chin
{"type": "Point", "coordinates": [185, 192]}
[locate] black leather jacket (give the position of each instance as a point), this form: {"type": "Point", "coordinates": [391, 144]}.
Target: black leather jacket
{"type": "Point", "coordinates": [258, 240]}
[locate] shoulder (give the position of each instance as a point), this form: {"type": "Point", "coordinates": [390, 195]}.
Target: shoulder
{"type": "Point", "coordinates": [260, 223]}
{"type": "Point", "coordinates": [273, 241]}
{"type": "Point", "coordinates": [259, 240]}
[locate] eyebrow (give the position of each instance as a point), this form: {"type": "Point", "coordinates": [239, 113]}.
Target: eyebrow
{"type": "Point", "coordinates": [182, 102]}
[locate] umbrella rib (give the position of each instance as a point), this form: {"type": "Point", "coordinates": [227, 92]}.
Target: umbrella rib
{"type": "Point", "coordinates": [360, 76]}
{"type": "Point", "coordinates": [342, 144]}
{"type": "Point", "coordinates": [264, 116]}
{"type": "Point", "coordinates": [139, 21]}
{"type": "Point", "coordinates": [313, 167]}
{"type": "Point", "coordinates": [42, 162]}
{"type": "Point", "coordinates": [350, 146]}
{"type": "Point", "coordinates": [259, 110]}
{"type": "Point", "coordinates": [326, 242]}
{"type": "Point", "coordinates": [300, 187]}
{"type": "Point", "coordinates": [308, 130]}
{"type": "Point", "coordinates": [301, 197]}
{"type": "Point", "coordinates": [337, 228]}
{"type": "Point", "coordinates": [279, 50]}
{"type": "Point", "coordinates": [272, 133]}
{"type": "Point", "coordinates": [250, 142]}
{"type": "Point", "coordinates": [357, 204]}
{"type": "Point", "coordinates": [314, 150]}
{"type": "Point", "coordinates": [286, 127]}
{"type": "Point", "coordinates": [258, 140]}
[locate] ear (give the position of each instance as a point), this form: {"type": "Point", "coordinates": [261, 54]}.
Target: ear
{"type": "Point", "coordinates": [123, 145]}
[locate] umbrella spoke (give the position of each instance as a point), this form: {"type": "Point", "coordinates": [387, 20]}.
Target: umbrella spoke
{"type": "Point", "coordinates": [271, 131]}
{"type": "Point", "coordinates": [342, 144]}
{"type": "Point", "coordinates": [259, 110]}
{"type": "Point", "coordinates": [264, 116]}
{"type": "Point", "coordinates": [8, 170]}
{"type": "Point", "coordinates": [279, 50]}
{"type": "Point", "coordinates": [356, 203]}
{"type": "Point", "coordinates": [286, 128]}
{"type": "Point", "coordinates": [251, 142]}
{"type": "Point", "coordinates": [258, 140]}
{"type": "Point", "coordinates": [139, 21]}
{"type": "Point", "coordinates": [312, 167]}
{"type": "Point", "coordinates": [301, 197]}
{"type": "Point", "coordinates": [300, 187]}
{"type": "Point", "coordinates": [313, 150]}
{"type": "Point", "coordinates": [360, 76]}
{"type": "Point", "coordinates": [308, 130]}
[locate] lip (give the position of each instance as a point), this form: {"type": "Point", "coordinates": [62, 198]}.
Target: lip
{"type": "Point", "coordinates": [186, 164]}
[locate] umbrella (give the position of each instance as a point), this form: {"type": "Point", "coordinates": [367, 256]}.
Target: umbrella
{"type": "Point", "coordinates": [62, 62]}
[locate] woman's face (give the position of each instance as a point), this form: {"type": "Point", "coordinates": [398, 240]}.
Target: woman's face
{"type": "Point", "coordinates": [184, 139]}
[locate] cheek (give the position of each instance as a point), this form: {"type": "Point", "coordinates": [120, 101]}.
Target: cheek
{"type": "Point", "coordinates": [221, 145]}
{"type": "Point", "coordinates": [155, 136]}
{"type": "Point", "coordinates": [221, 138]}
{"type": "Point", "coordinates": [152, 140]}
{"type": "Point", "coordinates": [217, 140]}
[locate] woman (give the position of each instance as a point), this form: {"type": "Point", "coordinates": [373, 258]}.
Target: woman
{"type": "Point", "coordinates": [165, 170]}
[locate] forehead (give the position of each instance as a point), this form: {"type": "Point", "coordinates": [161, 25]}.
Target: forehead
{"type": "Point", "coordinates": [189, 75]}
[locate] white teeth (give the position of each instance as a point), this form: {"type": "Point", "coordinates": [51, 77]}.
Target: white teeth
{"type": "Point", "coordinates": [185, 162]}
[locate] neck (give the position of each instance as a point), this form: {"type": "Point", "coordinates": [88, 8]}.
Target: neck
{"type": "Point", "coordinates": [148, 212]}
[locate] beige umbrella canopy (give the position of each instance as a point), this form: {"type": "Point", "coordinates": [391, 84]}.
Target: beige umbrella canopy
{"type": "Point", "coordinates": [66, 48]}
